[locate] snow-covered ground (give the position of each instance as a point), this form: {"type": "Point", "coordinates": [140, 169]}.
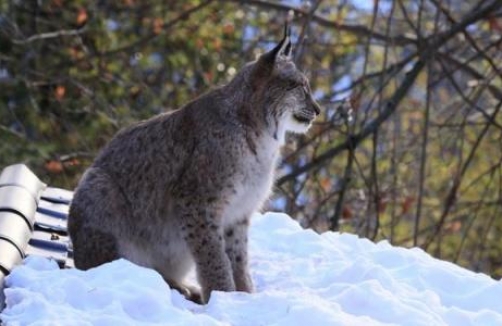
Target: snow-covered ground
{"type": "Point", "coordinates": [301, 278]}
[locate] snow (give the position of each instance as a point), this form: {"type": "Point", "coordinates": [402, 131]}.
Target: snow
{"type": "Point", "coordinates": [301, 278]}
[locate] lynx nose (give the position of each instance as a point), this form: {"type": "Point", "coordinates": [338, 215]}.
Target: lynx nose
{"type": "Point", "coordinates": [313, 103]}
{"type": "Point", "coordinates": [315, 106]}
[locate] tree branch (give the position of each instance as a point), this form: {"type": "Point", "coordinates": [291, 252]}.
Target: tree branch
{"type": "Point", "coordinates": [430, 49]}
{"type": "Point", "coordinates": [358, 30]}
{"type": "Point", "coordinates": [49, 35]}
{"type": "Point", "coordinates": [183, 16]}
{"type": "Point", "coordinates": [354, 140]}
{"type": "Point", "coordinates": [452, 194]}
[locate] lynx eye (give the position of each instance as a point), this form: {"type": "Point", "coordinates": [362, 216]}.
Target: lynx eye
{"type": "Point", "coordinates": [292, 84]}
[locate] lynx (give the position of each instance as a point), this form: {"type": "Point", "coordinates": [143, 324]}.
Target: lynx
{"type": "Point", "coordinates": [178, 190]}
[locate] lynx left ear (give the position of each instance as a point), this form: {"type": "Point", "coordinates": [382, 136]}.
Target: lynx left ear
{"type": "Point", "coordinates": [283, 50]}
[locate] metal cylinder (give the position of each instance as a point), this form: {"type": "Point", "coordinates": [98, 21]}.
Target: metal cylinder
{"type": "Point", "coordinates": [19, 200]}
{"type": "Point", "coordinates": [20, 191]}
{"type": "Point", "coordinates": [10, 256]}
{"type": "Point", "coordinates": [14, 228]}
{"type": "Point", "coordinates": [19, 175]}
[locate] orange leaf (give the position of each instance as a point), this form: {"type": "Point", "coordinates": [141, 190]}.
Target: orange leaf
{"type": "Point", "coordinates": [59, 92]}
{"type": "Point", "coordinates": [82, 17]}
{"type": "Point", "coordinates": [73, 52]}
{"type": "Point", "coordinates": [57, 3]}
{"type": "Point", "coordinates": [228, 28]}
{"type": "Point", "coordinates": [217, 44]}
{"type": "Point", "coordinates": [382, 204]}
{"type": "Point", "coordinates": [494, 24]}
{"type": "Point", "coordinates": [72, 162]}
{"type": "Point", "coordinates": [208, 76]}
{"type": "Point", "coordinates": [199, 43]}
{"type": "Point", "coordinates": [325, 184]}
{"type": "Point", "coordinates": [347, 212]}
{"type": "Point", "coordinates": [454, 226]}
{"type": "Point", "coordinates": [54, 166]}
{"type": "Point", "coordinates": [158, 23]}
{"type": "Point", "coordinates": [406, 204]}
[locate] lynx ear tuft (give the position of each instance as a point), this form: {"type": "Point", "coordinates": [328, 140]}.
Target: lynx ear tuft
{"type": "Point", "coordinates": [287, 47]}
{"type": "Point", "coordinates": [284, 48]}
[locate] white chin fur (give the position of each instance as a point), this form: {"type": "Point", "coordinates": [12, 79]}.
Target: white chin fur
{"type": "Point", "coordinates": [292, 125]}
{"type": "Point", "coordinates": [289, 124]}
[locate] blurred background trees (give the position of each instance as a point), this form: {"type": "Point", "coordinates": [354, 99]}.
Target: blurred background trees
{"type": "Point", "coordinates": [418, 164]}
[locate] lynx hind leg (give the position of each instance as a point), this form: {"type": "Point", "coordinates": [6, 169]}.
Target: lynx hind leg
{"type": "Point", "coordinates": [93, 248]}
{"type": "Point", "coordinates": [94, 214]}
{"type": "Point", "coordinates": [236, 248]}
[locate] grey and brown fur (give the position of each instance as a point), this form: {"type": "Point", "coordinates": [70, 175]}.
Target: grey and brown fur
{"type": "Point", "coordinates": [179, 189]}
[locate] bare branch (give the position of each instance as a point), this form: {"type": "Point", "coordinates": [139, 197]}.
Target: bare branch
{"type": "Point", "coordinates": [424, 56]}
{"type": "Point", "coordinates": [49, 35]}
{"type": "Point", "coordinates": [358, 30]}
{"type": "Point", "coordinates": [183, 16]}
{"type": "Point", "coordinates": [452, 194]}
{"type": "Point", "coordinates": [353, 141]}
{"type": "Point", "coordinates": [469, 38]}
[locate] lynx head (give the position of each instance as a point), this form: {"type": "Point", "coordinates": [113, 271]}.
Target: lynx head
{"type": "Point", "coordinates": [282, 90]}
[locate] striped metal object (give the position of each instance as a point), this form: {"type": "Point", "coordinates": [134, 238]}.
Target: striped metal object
{"type": "Point", "coordinates": [32, 221]}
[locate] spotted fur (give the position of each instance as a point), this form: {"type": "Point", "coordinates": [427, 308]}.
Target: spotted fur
{"type": "Point", "coordinates": [178, 189]}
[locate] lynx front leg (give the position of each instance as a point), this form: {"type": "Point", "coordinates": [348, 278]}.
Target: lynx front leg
{"type": "Point", "coordinates": [236, 247]}
{"type": "Point", "coordinates": [205, 240]}
{"type": "Point", "coordinates": [189, 292]}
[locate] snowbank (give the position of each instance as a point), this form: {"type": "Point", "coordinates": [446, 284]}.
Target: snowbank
{"type": "Point", "coordinates": [301, 278]}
